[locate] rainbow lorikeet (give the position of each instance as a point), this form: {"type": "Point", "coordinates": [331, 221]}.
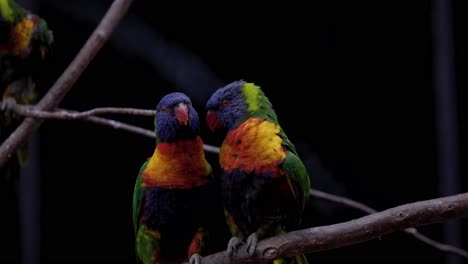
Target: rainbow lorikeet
{"type": "Point", "coordinates": [265, 185]}
{"type": "Point", "coordinates": [25, 39]}
{"type": "Point", "coordinates": [174, 193]}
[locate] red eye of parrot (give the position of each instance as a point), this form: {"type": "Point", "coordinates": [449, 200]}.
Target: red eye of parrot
{"type": "Point", "coordinates": [225, 103]}
{"type": "Point", "coordinates": [164, 110]}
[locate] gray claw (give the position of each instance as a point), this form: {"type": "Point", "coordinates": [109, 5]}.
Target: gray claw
{"type": "Point", "coordinates": [8, 104]}
{"type": "Point", "coordinates": [252, 242]}
{"type": "Point", "coordinates": [195, 259]}
{"type": "Point", "coordinates": [233, 244]}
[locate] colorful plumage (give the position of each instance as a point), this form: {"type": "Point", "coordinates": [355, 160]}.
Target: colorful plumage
{"type": "Point", "coordinates": [22, 31]}
{"type": "Point", "coordinates": [25, 39]}
{"type": "Point", "coordinates": [174, 197]}
{"type": "Point", "coordinates": [265, 185]}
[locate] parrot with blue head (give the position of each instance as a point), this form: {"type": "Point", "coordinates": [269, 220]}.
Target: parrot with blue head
{"type": "Point", "coordinates": [174, 195]}
{"type": "Point", "coordinates": [264, 183]}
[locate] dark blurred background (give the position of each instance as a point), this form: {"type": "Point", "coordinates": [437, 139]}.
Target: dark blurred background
{"type": "Point", "coordinates": [357, 87]}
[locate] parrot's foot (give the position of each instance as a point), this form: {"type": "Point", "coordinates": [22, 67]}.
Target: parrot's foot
{"type": "Point", "coordinates": [7, 104]}
{"type": "Point", "coordinates": [252, 242]}
{"type": "Point", "coordinates": [233, 244]}
{"type": "Point", "coordinates": [195, 259]}
{"type": "Point", "coordinates": [7, 109]}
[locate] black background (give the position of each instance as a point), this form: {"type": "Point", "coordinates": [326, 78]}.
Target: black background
{"type": "Point", "coordinates": [352, 84]}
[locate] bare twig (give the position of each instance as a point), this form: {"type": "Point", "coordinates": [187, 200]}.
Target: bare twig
{"type": "Point", "coordinates": [349, 233]}
{"type": "Point", "coordinates": [412, 231]}
{"type": "Point", "coordinates": [62, 114]}
{"type": "Point", "coordinates": [33, 111]}
{"type": "Point", "coordinates": [114, 110]}
{"type": "Point", "coordinates": [120, 126]}
{"type": "Point", "coordinates": [342, 200]}
{"type": "Point", "coordinates": [137, 130]}
{"type": "Point", "coordinates": [68, 78]}
{"type": "Point", "coordinates": [210, 148]}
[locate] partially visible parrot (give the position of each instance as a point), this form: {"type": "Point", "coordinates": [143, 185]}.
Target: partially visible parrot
{"type": "Point", "coordinates": [265, 185]}
{"type": "Point", "coordinates": [175, 197]}
{"type": "Point", "coordinates": [25, 39]}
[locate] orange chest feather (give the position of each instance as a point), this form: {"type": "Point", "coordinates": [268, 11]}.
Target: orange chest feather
{"type": "Point", "coordinates": [20, 38]}
{"type": "Point", "coordinates": [253, 147]}
{"type": "Point", "coordinates": [179, 165]}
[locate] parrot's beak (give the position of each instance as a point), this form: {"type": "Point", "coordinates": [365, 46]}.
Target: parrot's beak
{"type": "Point", "coordinates": [212, 121]}
{"type": "Point", "coordinates": [181, 113]}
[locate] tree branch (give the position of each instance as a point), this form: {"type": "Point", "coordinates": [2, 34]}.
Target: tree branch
{"type": "Point", "coordinates": [349, 233]}
{"type": "Point", "coordinates": [68, 78]}
{"type": "Point", "coordinates": [107, 110]}
{"type": "Point", "coordinates": [62, 114]}
{"type": "Point", "coordinates": [137, 130]}
{"type": "Point", "coordinates": [120, 126]}
{"type": "Point", "coordinates": [33, 111]}
{"type": "Point", "coordinates": [411, 231]}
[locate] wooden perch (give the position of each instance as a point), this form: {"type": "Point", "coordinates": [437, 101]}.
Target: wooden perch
{"type": "Point", "coordinates": [349, 233]}
{"type": "Point", "coordinates": [411, 231]}
{"type": "Point", "coordinates": [89, 116]}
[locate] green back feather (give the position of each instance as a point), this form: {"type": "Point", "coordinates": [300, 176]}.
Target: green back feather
{"type": "Point", "coordinates": [11, 11]}
{"type": "Point", "coordinates": [259, 106]}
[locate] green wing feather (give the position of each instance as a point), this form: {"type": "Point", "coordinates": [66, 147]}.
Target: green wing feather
{"type": "Point", "coordinates": [138, 196]}
{"type": "Point", "coordinates": [297, 176]}
{"type": "Point", "coordinates": [294, 167]}
{"type": "Point", "coordinates": [147, 248]}
{"type": "Point", "coordinates": [147, 241]}
{"type": "Point", "coordinates": [299, 180]}
{"type": "Point", "coordinates": [296, 172]}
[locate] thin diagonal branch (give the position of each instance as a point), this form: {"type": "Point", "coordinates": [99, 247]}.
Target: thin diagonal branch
{"type": "Point", "coordinates": [137, 130]}
{"type": "Point", "coordinates": [412, 231]}
{"type": "Point", "coordinates": [33, 111]}
{"type": "Point", "coordinates": [109, 110]}
{"type": "Point", "coordinates": [62, 114]}
{"type": "Point", "coordinates": [120, 126]}
{"type": "Point", "coordinates": [68, 78]}
{"type": "Point", "coordinates": [349, 233]}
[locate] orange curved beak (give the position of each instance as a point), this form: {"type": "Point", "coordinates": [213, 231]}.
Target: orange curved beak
{"type": "Point", "coordinates": [181, 113]}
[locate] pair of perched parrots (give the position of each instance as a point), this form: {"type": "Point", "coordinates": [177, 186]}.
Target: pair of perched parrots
{"type": "Point", "coordinates": [263, 183]}
{"type": "Point", "coordinates": [25, 40]}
